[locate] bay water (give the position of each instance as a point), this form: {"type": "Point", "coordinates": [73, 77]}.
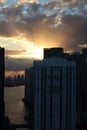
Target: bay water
{"type": "Point", "coordinates": [15, 108]}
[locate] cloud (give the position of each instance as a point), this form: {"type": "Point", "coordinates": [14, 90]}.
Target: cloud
{"type": "Point", "coordinates": [54, 23]}
{"type": "Point", "coordinates": [7, 29]}
{"type": "Point", "coordinates": [13, 73]}
{"type": "Point", "coordinates": [75, 30]}
{"type": "Point", "coordinates": [26, 1]}
{"type": "Point", "coordinates": [14, 52]}
{"type": "Point", "coordinates": [1, 1]}
{"type": "Point", "coordinates": [14, 64]}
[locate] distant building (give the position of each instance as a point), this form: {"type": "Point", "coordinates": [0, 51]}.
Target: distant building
{"type": "Point", "coordinates": [17, 80]}
{"type": "Point", "coordinates": [2, 109]}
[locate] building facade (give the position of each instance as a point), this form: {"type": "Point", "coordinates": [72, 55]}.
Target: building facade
{"type": "Point", "coordinates": [81, 91]}
{"type": "Point", "coordinates": [29, 86]}
{"type": "Point", "coordinates": [55, 94]}
{"type": "Point", "coordinates": [81, 81]}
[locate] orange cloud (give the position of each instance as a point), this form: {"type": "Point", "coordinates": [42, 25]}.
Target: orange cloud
{"type": "Point", "coordinates": [26, 1]}
{"type": "Point", "coordinates": [13, 73]}
{"type": "Point", "coordinates": [1, 1]}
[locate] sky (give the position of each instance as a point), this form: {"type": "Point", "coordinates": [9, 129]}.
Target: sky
{"type": "Point", "coordinates": [28, 26]}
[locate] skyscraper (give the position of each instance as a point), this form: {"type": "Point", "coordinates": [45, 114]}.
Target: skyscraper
{"type": "Point", "coordinates": [81, 81]}
{"type": "Point", "coordinates": [2, 85]}
{"type": "Point", "coordinates": [81, 91]}
{"type": "Point", "coordinates": [55, 94]}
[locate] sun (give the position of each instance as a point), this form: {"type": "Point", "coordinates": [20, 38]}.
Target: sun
{"type": "Point", "coordinates": [35, 52]}
{"type": "Point", "coordinates": [31, 53]}
{"type": "Point", "coordinates": [32, 50]}
{"type": "Point", "coordinates": [38, 53]}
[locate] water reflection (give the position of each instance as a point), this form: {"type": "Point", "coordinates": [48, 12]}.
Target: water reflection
{"type": "Point", "coordinates": [14, 107]}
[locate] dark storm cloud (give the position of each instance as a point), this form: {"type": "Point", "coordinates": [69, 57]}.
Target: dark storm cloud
{"type": "Point", "coordinates": [14, 64]}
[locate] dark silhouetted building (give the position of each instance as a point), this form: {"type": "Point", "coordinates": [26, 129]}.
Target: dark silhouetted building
{"type": "Point", "coordinates": [81, 90]}
{"type": "Point", "coordinates": [29, 85]}
{"type": "Point", "coordinates": [2, 112]}
{"type": "Point", "coordinates": [55, 94]}
{"type": "Point", "coordinates": [52, 84]}
{"type": "Point", "coordinates": [81, 63]}
{"type": "Point", "coordinates": [81, 81]}
{"type": "Point", "coordinates": [50, 52]}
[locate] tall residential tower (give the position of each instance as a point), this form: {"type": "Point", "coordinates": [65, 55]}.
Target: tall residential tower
{"type": "Point", "coordinates": [55, 94]}
{"type": "Point", "coordinates": [81, 80]}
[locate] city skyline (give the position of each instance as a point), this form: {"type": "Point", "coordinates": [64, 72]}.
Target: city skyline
{"type": "Point", "coordinates": [28, 26]}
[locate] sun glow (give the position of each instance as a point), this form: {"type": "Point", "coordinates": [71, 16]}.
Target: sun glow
{"type": "Point", "coordinates": [21, 48]}
{"type": "Point", "coordinates": [35, 52]}
{"type": "Point", "coordinates": [39, 53]}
